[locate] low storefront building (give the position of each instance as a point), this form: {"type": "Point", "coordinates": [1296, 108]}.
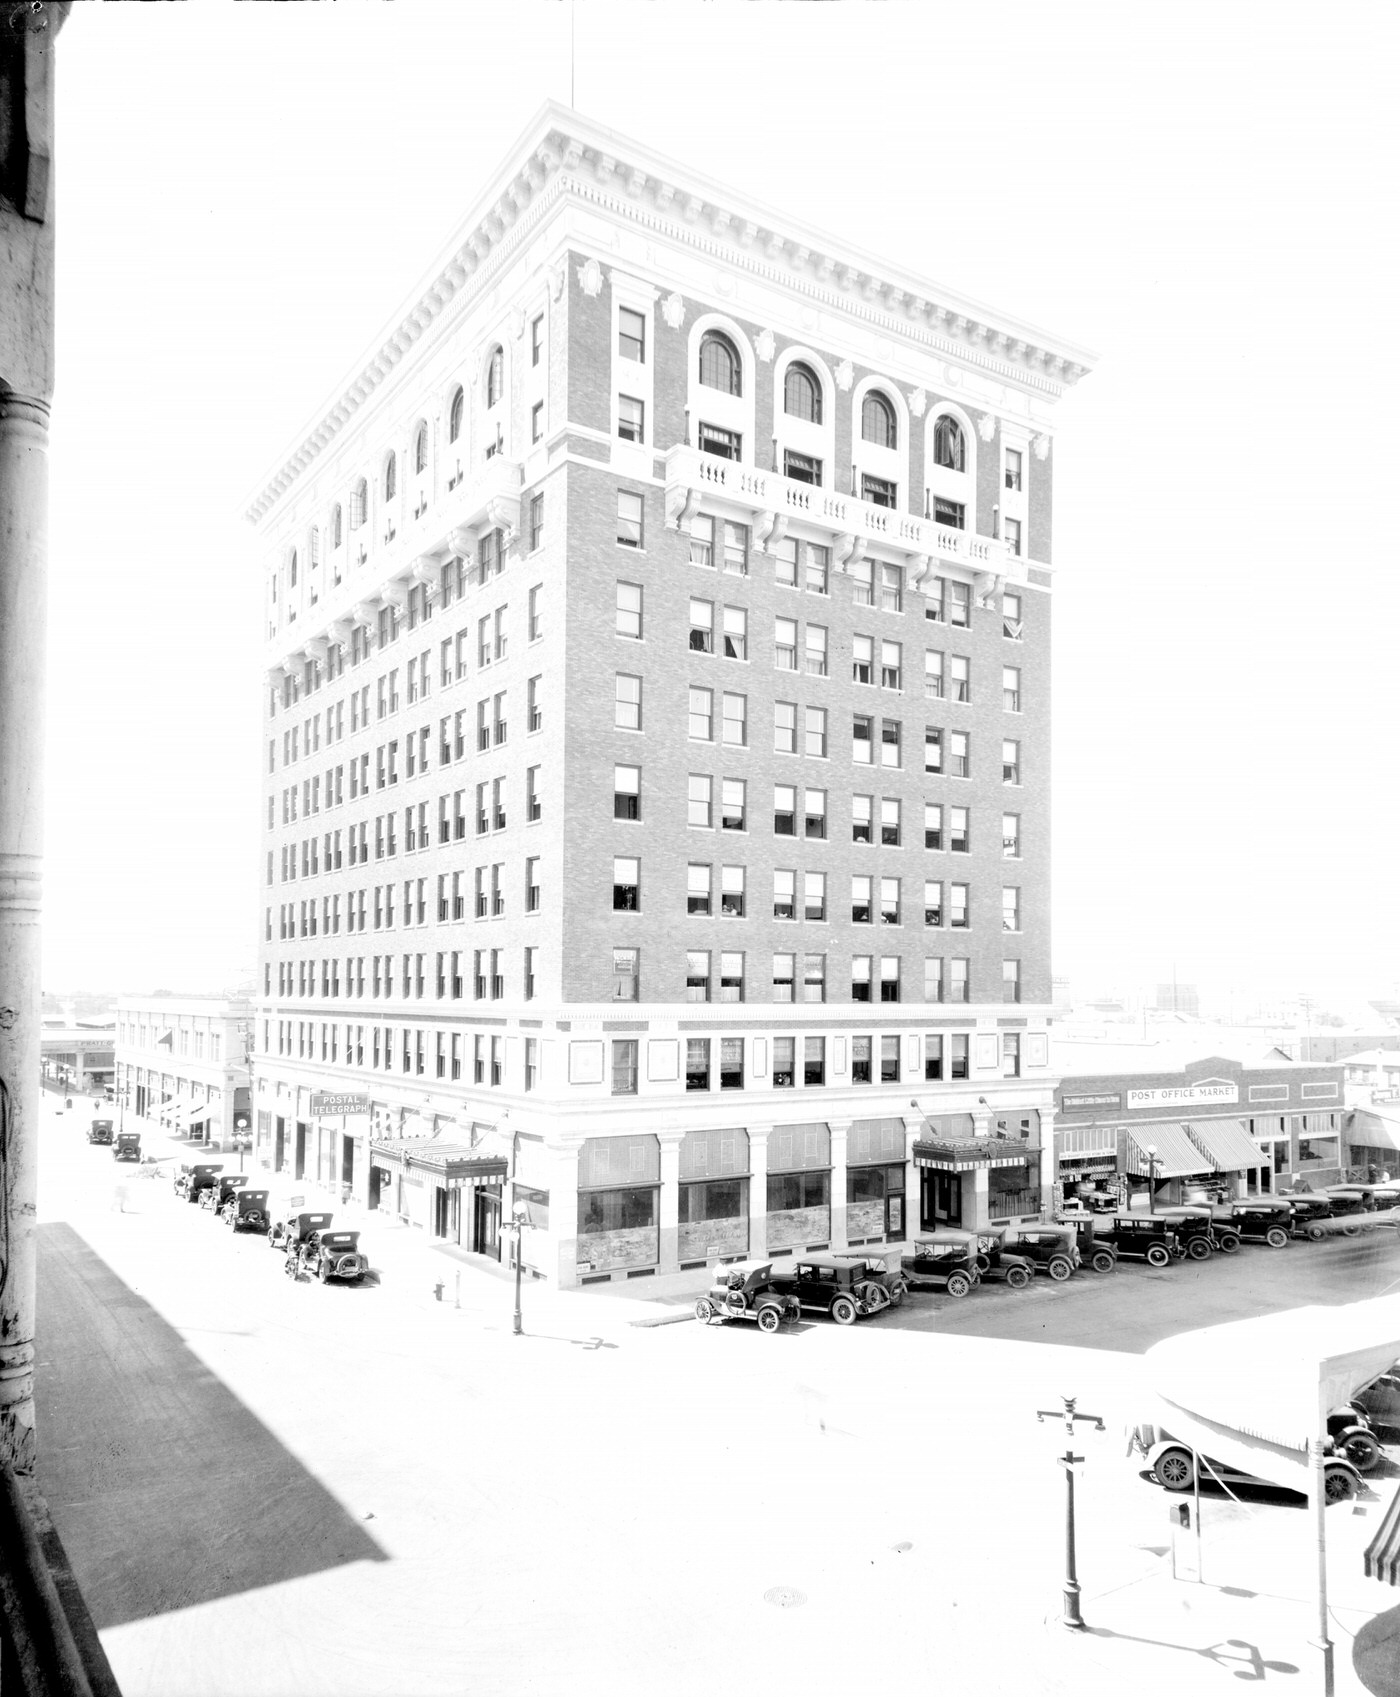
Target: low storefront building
{"type": "Point", "coordinates": [1214, 1124]}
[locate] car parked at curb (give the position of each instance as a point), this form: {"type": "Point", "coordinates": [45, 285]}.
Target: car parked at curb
{"type": "Point", "coordinates": [218, 1194]}
{"type": "Point", "coordinates": [326, 1255]}
{"type": "Point", "coordinates": [745, 1291]}
{"type": "Point", "coordinates": [1258, 1221]}
{"type": "Point", "coordinates": [946, 1259]}
{"type": "Point", "coordinates": [245, 1210]}
{"type": "Point", "coordinates": [1094, 1251]}
{"type": "Point", "coordinates": [1143, 1237]}
{"type": "Point", "coordinates": [296, 1227]}
{"type": "Point", "coordinates": [100, 1131]}
{"type": "Point", "coordinates": [127, 1147]}
{"type": "Point", "coordinates": [192, 1178]}
{"type": "Point", "coordinates": [1053, 1249]}
{"type": "Point", "coordinates": [847, 1287]}
{"type": "Point", "coordinates": [1198, 1233]}
{"type": "Point", "coordinates": [1174, 1467]}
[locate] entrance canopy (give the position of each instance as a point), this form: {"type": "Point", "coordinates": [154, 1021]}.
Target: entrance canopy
{"type": "Point", "coordinates": [965, 1155]}
{"type": "Point", "coordinates": [1227, 1145]}
{"type": "Point", "coordinates": [451, 1162]}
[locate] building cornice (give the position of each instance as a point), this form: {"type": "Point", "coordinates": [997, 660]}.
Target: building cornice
{"type": "Point", "coordinates": [561, 153]}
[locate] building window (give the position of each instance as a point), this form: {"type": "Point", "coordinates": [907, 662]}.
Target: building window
{"type": "Point", "coordinates": [891, 668]}
{"type": "Point", "coordinates": [889, 743]}
{"type": "Point", "coordinates": [624, 1067]}
{"type": "Point", "coordinates": [731, 1063]}
{"type": "Point", "coordinates": [628, 617]}
{"type": "Point", "coordinates": [1010, 1054]}
{"type": "Point", "coordinates": [626, 884]}
{"type": "Point", "coordinates": [719, 364]}
{"type": "Point", "coordinates": [862, 814]}
{"type": "Point", "coordinates": [702, 540]}
{"type": "Point", "coordinates": [889, 978]}
{"type": "Point", "coordinates": [736, 633]}
{"type": "Point", "coordinates": [892, 589]}
{"type": "Point", "coordinates": [1010, 762]}
{"type": "Point", "coordinates": [495, 378]}
{"type": "Point", "coordinates": [784, 894]}
{"type": "Point", "coordinates": [877, 421]}
{"type": "Point", "coordinates": [814, 815]}
{"type": "Point", "coordinates": [626, 974]}
{"type": "Point", "coordinates": [701, 717]}
{"type": "Point", "coordinates": [784, 1062]}
{"type": "Point", "coordinates": [1010, 908]}
{"type": "Point", "coordinates": [814, 978]}
{"type": "Point", "coordinates": [802, 394]}
{"type": "Point", "coordinates": [933, 1052]}
{"type": "Point", "coordinates": [862, 576]}
{"type": "Point", "coordinates": [958, 831]}
{"type": "Point", "coordinates": [814, 895]}
{"type": "Point", "coordinates": [1011, 981]}
{"type": "Point", "coordinates": [785, 727]}
{"type": "Point", "coordinates": [697, 889]}
{"type": "Point", "coordinates": [785, 644]}
{"type": "Point", "coordinates": [949, 447]}
{"type": "Point", "coordinates": [814, 660]}
{"type": "Point", "coordinates": [1011, 626]}
{"type": "Point", "coordinates": [1011, 535]}
{"type": "Point", "coordinates": [699, 801]}
{"type": "Point", "coordinates": [697, 1062]}
{"type": "Point", "coordinates": [1011, 836]}
{"type": "Point", "coordinates": [631, 417]}
{"type": "Point", "coordinates": [814, 1060]}
{"type": "Point", "coordinates": [960, 678]}
{"type": "Point", "coordinates": [536, 624]}
{"type": "Point", "coordinates": [933, 902]}
{"type": "Point", "coordinates": [862, 739]}
{"type": "Point", "coordinates": [732, 816]}
{"type": "Point", "coordinates": [1012, 468]}
{"type": "Point", "coordinates": [627, 703]}
{"type": "Point", "coordinates": [862, 659]}
{"type": "Point", "coordinates": [861, 901]}
{"type": "Point", "coordinates": [879, 491]}
{"type": "Point", "coordinates": [736, 549]}
{"type": "Point", "coordinates": [736, 723]}
{"type": "Point", "coordinates": [627, 792]}
{"type": "Point", "coordinates": [724, 444]}
{"type": "Point", "coordinates": [860, 979]}
{"type": "Point", "coordinates": [629, 519]}
{"type": "Point", "coordinates": [731, 977]}
{"type": "Point", "coordinates": [702, 627]}
{"type": "Point", "coordinates": [536, 421]}
{"type": "Point", "coordinates": [1011, 689]}
{"type": "Point", "coordinates": [801, 468]}
{"type": "Point", "coordinates": [951, 514]}
{"type": "Point", "coordinates": [959, 988]}
{"type": "Point", "coordinates": [889, 822]}
{"type": "Point", "coordinates": [784, 810]}
{"type": "Point", "coordinates": [958, 906]}
{"type": "Point", "coordinates": [959, 756]}
{"type": "Point", "coordinates": [814, 733]}
{"type": "Point", "coordinates": [889, 901]}
{"type": "Point", "coordinates": [454, 415]}
{"type": "Point", "coordinates": [631, 334]}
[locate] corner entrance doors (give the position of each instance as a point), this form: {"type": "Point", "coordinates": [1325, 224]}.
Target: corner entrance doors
{"type": "Point", "coordinates": [940, 1199]}
{"type": "Point", "coordinates": [299, 1171]}
{"type": "Point", "coordinates": [486, 1223]}
{"type": "Point", "coordinates": [347, 1162]}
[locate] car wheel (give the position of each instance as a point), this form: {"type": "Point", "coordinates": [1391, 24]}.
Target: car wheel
{"type": "Point", "coordinates": [1228, 1243]}
{"type": "Point", "coordinates": [769, 1319]}
{"type": "Point", "coordinates": [1361, 1450]}
{"type": "Point", "coordinates": [1059, 1269]}
{"type": "Point", "coordinates": [1351, 1231]}
{"type": "Point", "coordinates": [1157, 1255]}
{"type": "Point", "coordinates": [1338, 1485]}
{"type": "Point", "coordinates": [1017, 1277]}
{"type": "Point", "coordinates": [1276, 1237]}
{"type": "Point", "coordinates": [898, 1291]}
{"type": "Point", "coordinates": [959, 1284]}
{"type": "Point", "coordinates": [289, 1267]}
{"type": "Point", "coordinates": [323, 1272]}
{"type": "Point", "coordinates": [1198, 1249]}
{"type": "Point", "coordinates": [1316, 1233]}
{"type": "Point", "coordinates": [1175, 1470]}
{"type": "Point", "coordinates": [875, 1297]}
{"type": "Point", "coordinates": [704, 1311]}
{"type": "Point", "coordinates": [1104, 1262]}
{"type": "Point", "coordinates": [843, 1311]}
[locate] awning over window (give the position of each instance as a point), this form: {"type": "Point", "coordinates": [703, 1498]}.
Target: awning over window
{"type": "Point", "coordinates": [1228, 1145]}
{"type": "Point", "coordinates": [1370, 1131]}
{"type": "Point", "coordinates": [1177, 1155]}
{"type": "Point", "coordinates": [965, 1155]}
{"type": "Point", "coordinates": [202, 1111]}
{"type": "Point", "coordinates": [451, 1163]}
{"type": "Point", "coordinates": [175, 1109]}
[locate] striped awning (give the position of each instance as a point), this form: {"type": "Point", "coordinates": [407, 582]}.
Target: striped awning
{"type": "Point", "coordinates": [967, 1154]}
{"type": "Point", "coordinates": [452, 1163]}
{"type": "Point", "coordinates": [1177, 1156]}
{"type": "Point", "coordinates": [1227, 1144]}
{"type": "Point", "coordinates": [1382, 1557]}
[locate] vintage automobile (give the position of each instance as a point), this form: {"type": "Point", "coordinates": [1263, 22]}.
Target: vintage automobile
{"type": "Point", "coordinates": [328, 1255]}
{"type": "Point", "coordinates": [287, 1229]}
{"type": "Point", "coordinates": [245, 1211]}
{"type": "Point", "coordinates": [1142, 1237]}
{"type": "Point", "coordinates": [848, 1287]}
{"type": "Point", "coordinates": [745, 1291]}
{"type": "Point", "coordinates": [1173, 1466]}
{"type": "Point", "coordinates": [944, 1259]}
{"type": "Point", "coordinates": [1094, 1251]}
{"type": "Point", "coordinates": [1199, 1233]}
{"type": "Point", "coordinates": [1309, 1211]}
{"type": "Point", "coordinates": [217, 1194]}
{"type": "Point", "coordinates": [1380, 1400]}
{"type": "Point", "coordinates": [1372, 1200]}
{"type": "Point", "coordinates": [1051, 1249]}
{"type": "Point", "coordinates": [997, 1263]}
{"type": "Point", "coordinates": [1351, 1432]}
{"type": "Point", "coordinates": [100, 1131]}
{"type": "Point", "coordinates": [1349, 1204]}
{"type": "Point", "coordinates": [194, 1177]}
{"type": "Point", "coordinates": [1258, 1221]}
{"type": "Point", "coordinates": [127, 1147]}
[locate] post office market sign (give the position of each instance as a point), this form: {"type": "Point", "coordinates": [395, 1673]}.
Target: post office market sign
{"type": "Point", "coordinates": [1184, 1096]}
{"type": "Point", "coordinates": [323, 1104]}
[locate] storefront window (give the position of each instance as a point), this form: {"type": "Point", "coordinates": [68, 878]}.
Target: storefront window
{"type": "Point", "coordinates": [871, 1184]}
{"type": "Point", "coordinates": [1317, 1151]}
{"type": "Point", "coordinates": [722, 1199]}
{"type": "Point", "coordinates": [616, 1210]}
{"type": "Point", "coordinates": [788, 1191]}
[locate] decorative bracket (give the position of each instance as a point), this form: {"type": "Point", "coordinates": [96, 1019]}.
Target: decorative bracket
{"type": "Point", "coordinates": [850, 551]}
{"type": "Point", "coordinates": [987, 588]}
{"type": "Point", "coordinates": [682, 503]}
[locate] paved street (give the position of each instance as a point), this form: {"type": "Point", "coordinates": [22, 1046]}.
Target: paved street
{"type": "Point", "coordinates": [268, 1487]}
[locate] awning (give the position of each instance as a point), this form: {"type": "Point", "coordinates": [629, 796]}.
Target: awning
{"type": "Point", "coordinates": [1371, 1131]}
{"type": "Point", "coordinates": [454, 1163]}
{"type": "Point", "coordinates": [1383, 1552]}
{"type": "Point", "coordinates": [1228, 1145]}
{"type": "Point", "coordinates": [1177, 1156]}
{"type": "Point", "coordinates": [967, 1154]}
{"type": "Point", "coordinates": [202, 1111]}
{"type": "Point", "coordinates": [176, 1108]}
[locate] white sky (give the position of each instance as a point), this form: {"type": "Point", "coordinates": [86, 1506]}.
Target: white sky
{"type": "Point", "coordinates": [1204, 193]}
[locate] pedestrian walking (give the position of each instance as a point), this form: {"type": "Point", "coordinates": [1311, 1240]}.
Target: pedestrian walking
{"type": "Point", "coordinates": [119, 1196]}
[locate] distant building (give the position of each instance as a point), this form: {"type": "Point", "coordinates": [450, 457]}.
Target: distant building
{"type": "Point", "coordinates": [1178, 998]}
{"type": "Point", "coordinates": [183, 1061]}
{"type": "Point", "coordinates": [78, 1056]}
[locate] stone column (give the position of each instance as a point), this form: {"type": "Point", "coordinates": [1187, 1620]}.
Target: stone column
{"type": "Point", "coordinates": [563, 1207]}
{"type": "Point", "coordinates": [758, 1190]}
{"type": "Point", "coordinates": [978, 1197]}
{"type": "Point", "coordinates": [913, 1197]}
{"type": "Point", "coordinates": [1049, 1161]}
{"type": "Point", "coordinates": [839, 1131]}
{"type": "Point", "coordinates": [668, 1248]}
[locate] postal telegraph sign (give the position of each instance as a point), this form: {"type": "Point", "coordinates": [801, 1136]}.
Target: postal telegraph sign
{"type": "Point", "coordinates": [325, 1103]}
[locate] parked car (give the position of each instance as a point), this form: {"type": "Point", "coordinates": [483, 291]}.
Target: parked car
{"type": "Point", "coordinates": [1174, 1464]}
{"type": "Point", "coordinates": [217, 1194]}
{"type": "Point", "coordinates": [127, 1147]}
{"type": "Point", "coordinates": [1142, 1237]}
{"type": "Point", "coordinates": [286, 1229]}
{"type": "Point", "coordinates": [1380, 1400]}
{"type": "Point", "coordinates": [847, 1287]}
{"type": "Point", "coordinates": [945, 1259]}
{"type": "Point", "coordinates": [1309, 1211]}
{"type": "Point", "coordinates": [1199, 1233]}
{"type": "Point", "coordinates": [328, 1255]}
{"type": "Point", "coordinates": [194, 1177]}
{"type": "Point", "coordinates": [100, 1131]}
{"type": "Point", "coordinates": [745, 1291]}
{"type": "Point", "coordinates": [1348, 1204]}
{"type": "Point", "coordinates": [997, 1263]}
{"type": "Point", "coordinates": [245, 1211]}
{"type": "Point", "coordinates": [1094, 1251]}
{"type": "Point", "coordinates": [1259, 1221]}
{"type": "Point", "coordinates": [1052, 1249]}
{"type": "Point", "coordinates": [1350, 1433]}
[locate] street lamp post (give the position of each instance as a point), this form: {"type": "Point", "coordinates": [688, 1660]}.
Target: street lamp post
{"type": "Point", "coordinates": [1071, 1616]}
{"type": "Point", "coordinates": [1151, 1178]}
{"type": "Point", "coordinates": [517, 1225]}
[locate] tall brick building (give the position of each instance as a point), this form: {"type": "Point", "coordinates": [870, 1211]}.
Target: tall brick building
{"type": "Point", "coordinates": [657, 737]}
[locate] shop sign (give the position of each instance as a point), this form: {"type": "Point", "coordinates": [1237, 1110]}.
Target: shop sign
{"type": "Point", "coordinates": [1184, 1096]}
{"type": "Point", "coordinates": [324, 1103]}
{"type": "Point", "coordinates": [1112, 1101]}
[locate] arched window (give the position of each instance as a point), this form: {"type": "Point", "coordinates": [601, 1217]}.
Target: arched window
{"type": "Point", "coordinates": [292, 569]}
{"type": "Point", "coordinates": [337, 534]}
{"type": "Point", "coordinates": [315, 549]}
{"type": "Point", "coordinates": [719, 364]}
{"type": "Point", "coordinates": [391, 476]}
{"type": "Point", "coordinates": [877, 423]}
{"type": "Point", "coordinates": [802, 394]}
{"type": "Point", "coordinates": [359, 504]}
{"type": "Point", "coordinates": [949, 448]}
{"type": "Point", "coordinates": [495, 377]}
{"type": "Point", "coordinates": [454, 416]}
{"type": "Point", "coordinates": [420, 451]}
